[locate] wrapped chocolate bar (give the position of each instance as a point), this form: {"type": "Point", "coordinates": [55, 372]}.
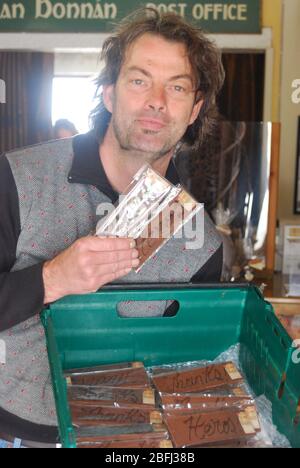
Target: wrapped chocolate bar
{"type": "Point", "coordinates": [248, 409]}
{"type": "Point", "coordinates": [191, 402]}
{"type": "Point", "coordinates": [198, 379]}
{"type": "Point", "coordinates": [97, 394]}
{"type": "Point", "coordinates": [95, 415]}
{"type": "Point", "coordinates": [124, 378]}
{"type": "Point", "coordinates": [151, 210]}
{"type": "Point", "coordinates": [210, 428]}
{"type": "Point", "coordinates": [138, 444]}
{"type": "Point", "coordinates": [91, 370]}
{"type": "Point", "coordinates": [92, 434]}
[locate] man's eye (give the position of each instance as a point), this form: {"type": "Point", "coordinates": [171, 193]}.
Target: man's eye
{"type": "Point", "coordinates": [179, 89]}
{"type": "Point", "coordinates": [137, 82]}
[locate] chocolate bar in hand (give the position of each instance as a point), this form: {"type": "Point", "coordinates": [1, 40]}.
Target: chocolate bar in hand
{"type": "Point", "coordinates": [166, 224]}
{"type": "Point", "coordinates": [198, 379]}
{"type": "Point", "coordinates": [206, 428]}
{"type": "Point", "coordinates": [92, 415]}
{"type": "Point", "coordinates": [125, 378]}
{"type": "Point", "coordinates": [111, 395]}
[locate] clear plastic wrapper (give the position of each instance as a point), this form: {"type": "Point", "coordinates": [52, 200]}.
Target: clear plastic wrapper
{"type": "Point", "coordinates": [111, 395]}
{"type": "Point", "coordinates": [210, 428]}
{"type": "Point", "coordinates": [125, 378]}
{"type": "Point", "coordinates": [228, 411]}
{"type": "Point", "coordinates": [140, 443]}
{"type": "Point", "coordinates": [144, 198]}
{"type": "Point", "coordinates": [186, 403]}
{"type": "Point", "coordinates": [198, 379]}
{"type": "Point", "coordinates": [121, 433]}
{"type": "Point", "coordinates": [151, 211]}
{"type": "Point", "coordinates": [92, 370]}
{"type": "Point", "coordinates": [114, 415]}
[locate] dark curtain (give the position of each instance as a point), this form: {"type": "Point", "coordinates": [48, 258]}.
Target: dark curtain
{"type": "Point", "coordinates": [25, 119]}
{"type": "Point", "coordinates": [242, 97]}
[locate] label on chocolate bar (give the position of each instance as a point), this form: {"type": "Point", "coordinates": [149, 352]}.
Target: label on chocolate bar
{"type": "Point", "coordinates": [233, 372]}
{"type": "Point", "coordinates": [202, 429]}
{"type": "Point", "coordinates": [197, 379]}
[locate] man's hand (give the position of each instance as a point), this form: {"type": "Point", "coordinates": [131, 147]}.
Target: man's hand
{"type": "Point", "coordinates": [87, 265]}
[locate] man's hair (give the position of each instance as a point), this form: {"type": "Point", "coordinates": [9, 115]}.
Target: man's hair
{"type": "Point", "coordinates": [204, 56]}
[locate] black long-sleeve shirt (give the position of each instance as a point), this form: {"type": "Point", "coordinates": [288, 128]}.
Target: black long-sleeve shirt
{"type": "Point", "coordinates": [21, 292]}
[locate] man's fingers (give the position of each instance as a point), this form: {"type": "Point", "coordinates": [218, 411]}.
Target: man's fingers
{"type": "Point", "coordinates": [104, 258]}
{"type": "Point", "coordinates": [114, 268]}
{"type": "Point", "coordinates": [101, 244]}
{"type": "Point", "coordinates": [106, 279]}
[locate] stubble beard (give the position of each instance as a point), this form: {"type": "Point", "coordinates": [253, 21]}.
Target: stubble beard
{"type": "Point", "coordinates": [134, 150]}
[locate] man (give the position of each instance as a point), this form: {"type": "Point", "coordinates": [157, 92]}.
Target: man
{"type": "Point", "coordinates": [158, 89]}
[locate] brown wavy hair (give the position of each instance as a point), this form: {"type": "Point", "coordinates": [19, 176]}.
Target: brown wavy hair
{"type": "Point", "coordinates": [204, 56]}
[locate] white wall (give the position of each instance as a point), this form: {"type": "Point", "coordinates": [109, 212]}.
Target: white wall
{"type": "Point", "coordinates": [289, 111]}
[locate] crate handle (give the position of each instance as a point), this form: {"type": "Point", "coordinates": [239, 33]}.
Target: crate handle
{"type": "Point", "coordinates": [171, 311]}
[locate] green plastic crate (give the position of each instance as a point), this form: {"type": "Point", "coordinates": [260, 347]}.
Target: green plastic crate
{"type": "Point", "coordinates": [86, 330]}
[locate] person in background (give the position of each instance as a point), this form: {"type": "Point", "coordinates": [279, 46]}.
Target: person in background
{"type": "Point", "coordinates": [63, 128]}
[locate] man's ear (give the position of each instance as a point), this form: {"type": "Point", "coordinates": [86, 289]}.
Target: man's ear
{"type": "Point", "coordinates": [196, 110]}
{"type": "Point", "coordinates": [108, 97]}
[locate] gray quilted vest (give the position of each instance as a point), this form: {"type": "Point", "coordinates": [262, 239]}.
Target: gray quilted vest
{"type": "Point", "coordinates": [53, 214]}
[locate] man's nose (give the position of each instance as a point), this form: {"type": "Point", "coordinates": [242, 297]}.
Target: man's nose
{"type": "Point", "coordinates": [157, 98]}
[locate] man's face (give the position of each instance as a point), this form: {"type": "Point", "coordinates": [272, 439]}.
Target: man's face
{"type": "Point", "coordinates": [153, 101]}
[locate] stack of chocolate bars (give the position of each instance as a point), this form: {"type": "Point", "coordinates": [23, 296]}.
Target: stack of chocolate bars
{"type": "Point", "coordinates": [124, 406]}
{"type": "Point", "coordinates": [207, 406]}
{"type": "Point", "coordinates": [114, 407]}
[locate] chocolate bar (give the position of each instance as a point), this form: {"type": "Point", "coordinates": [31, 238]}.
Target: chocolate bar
{"type": "Point", "coordinates": [138, 443]}
{"type": "Point", "coordinates": [126, 378]}
{"type": "Point", "coordinates": [198, 379]}
{"type": "Point", "coordinates": [165, 225]}
{"type": "Point", "coordinates": [111, 395]}
{"type": "Point", "coordinates": [205, 428]}
{"type": "Point", "coordinates": [146, 196]}
{"type": "Point", "coordinates": [249, 411]}
{"type": "Point", "coordinates": [152, 211]}
{"type": "Point", "coordinates": [206, 403]}
{"type": "Point", "coordinates": [90, 415]}
{"type": "Point", "coordinates": [91, 370]}
{"type": "Point", "coordinates": [118, 433]}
